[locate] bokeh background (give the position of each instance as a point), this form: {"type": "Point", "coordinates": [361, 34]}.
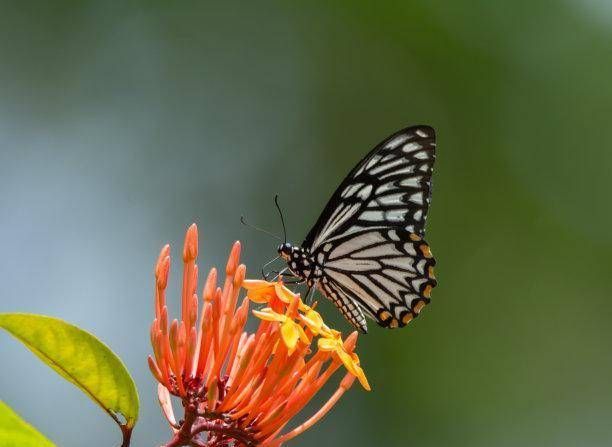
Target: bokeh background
{"type": "Point", "coordinates": [120, 124]}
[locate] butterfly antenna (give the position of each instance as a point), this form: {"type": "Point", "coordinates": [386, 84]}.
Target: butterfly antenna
{"type": "Point", "coordinates": [281, 216]}
{"type": "Point", "coordinates": [246, 224]}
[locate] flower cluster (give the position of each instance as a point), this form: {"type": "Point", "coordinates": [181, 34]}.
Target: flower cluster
{"type": "Point", "coordinates": [239, 388]}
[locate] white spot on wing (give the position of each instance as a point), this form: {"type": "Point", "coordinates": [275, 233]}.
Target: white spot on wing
{"type": "Point", "coordinates": [391, 199]}
{"type": "Point", "coordinates": [396, 215]}
{"type": "Point", "coordinates": [409, 248]}
{"type": "Point", "coordinates": [421, 133]}
{"type": "Point", "coordinates": [410, 147]}
{"type": "Point", "coordinates": [334, 223]}
{"type": "Point", "coordinates": [350, 190]}
{"type": "Point", "coordinates": [399, 275]}
{"type": "Point", "coordinates": [373, 216]}
{"type": "Point", "coordinates": [385, 187]}
{"type": "Point", "coordinates": [412, 182]}
{"type": "Point", "coordinates": [356, 243]}
{"type": "Point", "coordinates": [384, 166]}
{"type": "Point", "coordinates": [404, 263]}
{"type": "Point", "coordinates": [372, 162]}
{"type": "Point", "coordinates": [379, 293]}
{"type": "Point", "coordinates": [364, 193]}
{"type": "Point", "coordinates": [377, 251]}
{"type": "Point", "coordinates": [390, 285]}
{"type": "Point", "coordinates": [396, 141]}
{"type": "Point", "coordinates": [409, 169]}
{"type": "Point", "coordinates": [353, 265]}
{"type": "Point", "coordinates": [417, 197]}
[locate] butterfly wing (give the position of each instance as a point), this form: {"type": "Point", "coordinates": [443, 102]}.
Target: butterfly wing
{"type": "Point", "coordinates": [386, 273]}
{"type": "Point", "coordinates": [368, 239]}
{"type": "Point", "coordinates": [389, 187]}
{"type": "Point", "coordinates": [343, 300]}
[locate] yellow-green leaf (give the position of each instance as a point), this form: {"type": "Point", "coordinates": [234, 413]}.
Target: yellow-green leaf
{"type": "Point", "coordinates": [15, 432]}
{"type": "Point", "coordinates": [80, 358]}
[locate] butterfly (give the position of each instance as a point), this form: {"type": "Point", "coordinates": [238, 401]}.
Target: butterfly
{"type": "Point", "coordinates": [366, 252]}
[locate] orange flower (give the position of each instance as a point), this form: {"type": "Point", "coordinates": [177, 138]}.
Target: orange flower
{"type": "Point", "coordinates": [239, 388]}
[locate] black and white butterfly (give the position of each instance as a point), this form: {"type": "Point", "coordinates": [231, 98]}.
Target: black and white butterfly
{"type": "Point", "coordinates": [366, 252]}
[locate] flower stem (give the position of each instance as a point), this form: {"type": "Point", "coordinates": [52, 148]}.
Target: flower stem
{"type": "Point", "coordinates": [127, 435]}
{"type": "Point", "coordinates": [195, 424]}
{"type": "Point", "coordinates": [183, 436]}
{"type": "Point", "coordinates": [223, 429]}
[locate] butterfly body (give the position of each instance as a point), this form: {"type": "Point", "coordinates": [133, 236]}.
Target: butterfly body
{"type": "Point", "coordinates": [301, 263]}
{"type": "Point", "coordinates": [366, 253]}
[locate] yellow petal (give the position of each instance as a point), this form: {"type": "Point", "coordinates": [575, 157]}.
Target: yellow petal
{"type": "Point", "coordinates": [254, 284]}
{"type": "Point", "coordinates": [268, 314]}
{"type": "Point", "coordinates": [351, 362]}
{"type": "Point", "coordinates": [315, 317]}
{"type": "Point", "coordinates": [284, 294]}
{"type": "Point", "coordinates": [348, 362]}
{"type": "Point", "coordinates": [362, 378]}
{"type": "Point", "coordinates": [314, 328]}
{"type": "Point", "coordinates": [303, 307]}
{"type": "Point", "coordinates": [290, 334]}
{"type": "Point", "coordinates": [303, 335]}
{"type": "Point", "coordinates": [259, 297]}
{"type": "Point", "coordinates": [313, 321]}
{"type": "Point", "coordinates": [327, 344]}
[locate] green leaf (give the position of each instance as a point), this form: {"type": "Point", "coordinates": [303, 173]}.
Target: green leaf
{"type": "Point", "coordinates": [82, 359]}
{"type": "Point", "coordinates": [15, 432]}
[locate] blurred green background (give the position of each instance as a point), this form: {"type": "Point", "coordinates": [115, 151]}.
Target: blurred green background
{"type": "Point", "coordinates": [120, 124]}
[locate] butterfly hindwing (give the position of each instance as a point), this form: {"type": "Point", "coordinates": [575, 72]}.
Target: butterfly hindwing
{"type": "Point", "coordinates": [389, 188]}
{"type": "Point", "coordinates": [345, 303]}
{"type": "Point", "coordinates": [388, 273]}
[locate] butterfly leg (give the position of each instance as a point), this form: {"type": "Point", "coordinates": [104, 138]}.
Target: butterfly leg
{"type": "Point", "coordinates": [263, 268]}
{"type": "Point", "coordinates": [267, 275]}
{"type": "Point", "coordinates": [283, 272]}
{"type": "Point", "coordinates": [276, 274]}
{"type": "Point", "coordinates": [294, 281]}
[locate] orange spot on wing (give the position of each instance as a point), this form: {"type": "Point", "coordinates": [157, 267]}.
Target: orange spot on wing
{"type": "Point", "coordinates": [384, 315]}
{"type": "Point", "coordinates": [418, 306]}
{"type": "Point", "coordinates": [426, 251]}
{"type": "Point", "coordinates": [407, 318]}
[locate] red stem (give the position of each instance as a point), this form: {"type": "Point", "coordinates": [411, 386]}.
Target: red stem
{"type": "Point", "coordinates": [223, 429]}
{"type": "Point", "coordinates": [127, 435]}
{"type": "Point", "coordinates": [193, 425]}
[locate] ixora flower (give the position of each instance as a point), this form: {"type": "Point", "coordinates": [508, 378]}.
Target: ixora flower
{"type": "Point", "coordinates": [239, 388]}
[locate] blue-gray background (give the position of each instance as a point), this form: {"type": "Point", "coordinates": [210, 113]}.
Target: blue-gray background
{"type": "Point", "coordinates": [120, 125]}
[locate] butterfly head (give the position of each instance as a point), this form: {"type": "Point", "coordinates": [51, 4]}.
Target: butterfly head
{"type": "Point", "coordinates": [286, 250]}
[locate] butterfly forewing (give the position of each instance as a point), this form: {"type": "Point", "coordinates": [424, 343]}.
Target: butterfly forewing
{"type": "Point", "coordinates": [389, 187]}
{"type": "Point", "coordinates": [368, 240]}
